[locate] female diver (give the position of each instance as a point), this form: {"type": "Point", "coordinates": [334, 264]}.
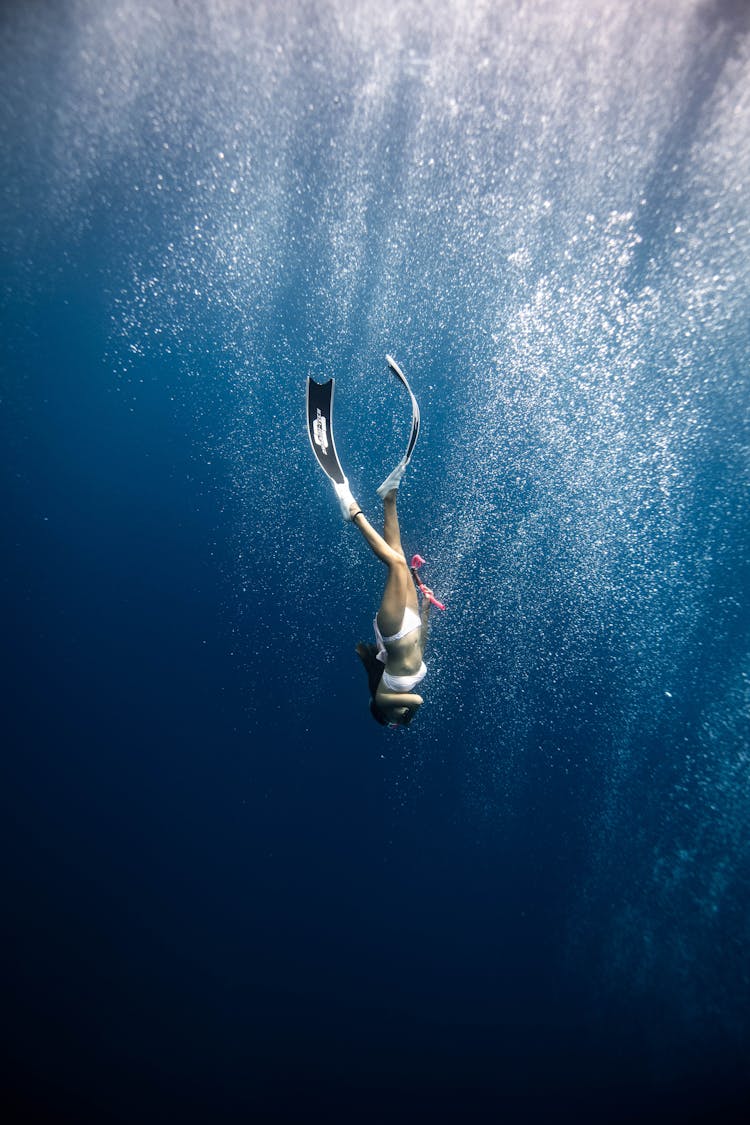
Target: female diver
{"type": "Point", "coordinates": [394, 665]}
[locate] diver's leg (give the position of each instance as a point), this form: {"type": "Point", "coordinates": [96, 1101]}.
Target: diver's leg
{"type": "Point", "coordinates": [391, 529]}
{"type": "Point", "coordinates": [399, 592]}
{"type": "Point", "coordinates": [399, 588]}
{"type": "Point", "coordinates": [392, 536]}
{"type": "Point", "coordinates": [375, 541]}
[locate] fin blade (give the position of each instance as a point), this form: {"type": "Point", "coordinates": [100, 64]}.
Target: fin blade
{"type": "Point", "coordinates": [413, 434]}
{"type": "Point", "coordinates": [320, 429]}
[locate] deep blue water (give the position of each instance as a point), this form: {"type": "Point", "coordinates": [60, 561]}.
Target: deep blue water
{"type": "Point", "coordinates": [229, 895]}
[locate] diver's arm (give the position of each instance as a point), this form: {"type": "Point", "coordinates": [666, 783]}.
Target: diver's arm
{"type": "Point", "coordinates": [398, 699]}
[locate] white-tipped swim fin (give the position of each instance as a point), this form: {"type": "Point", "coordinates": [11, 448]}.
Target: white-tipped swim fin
{"type": "Point", "coordinates": [320, 432]}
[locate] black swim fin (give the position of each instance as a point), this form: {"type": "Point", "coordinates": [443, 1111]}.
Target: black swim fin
{"type": "Point", "coordinates": [320, 432]}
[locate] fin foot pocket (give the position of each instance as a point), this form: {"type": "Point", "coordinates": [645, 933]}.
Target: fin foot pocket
{"type": "Point", "coordinates": [344, 497]}
{"type": "Point", "coordinates": [393, 480]}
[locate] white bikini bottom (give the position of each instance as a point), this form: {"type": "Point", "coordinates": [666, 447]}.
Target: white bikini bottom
{"type": "Point", "coordinates": [405, 683]}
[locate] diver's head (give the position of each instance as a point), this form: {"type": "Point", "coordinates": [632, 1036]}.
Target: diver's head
{"type": "Point", "coordinates": [396, 717]}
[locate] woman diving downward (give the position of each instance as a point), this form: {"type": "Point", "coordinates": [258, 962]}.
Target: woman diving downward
{"type": "Point", "coordinates": [394, 664]}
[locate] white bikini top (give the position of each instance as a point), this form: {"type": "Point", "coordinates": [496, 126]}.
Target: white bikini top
{"type": "Point", "coordinates": [410, 621]}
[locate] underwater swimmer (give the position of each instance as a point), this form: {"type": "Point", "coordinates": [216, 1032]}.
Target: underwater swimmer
{"type": "Point", "coordinates": [394, 664]}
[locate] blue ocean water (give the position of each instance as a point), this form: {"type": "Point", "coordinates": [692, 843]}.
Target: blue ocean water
{"type": "Point", "coordinates": [230, 895]}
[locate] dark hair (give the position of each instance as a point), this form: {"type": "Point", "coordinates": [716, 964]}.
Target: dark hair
{"type": "Point", "coordinates": [374, 668]}
{"type": "Point", "coordinates": [377, 714]}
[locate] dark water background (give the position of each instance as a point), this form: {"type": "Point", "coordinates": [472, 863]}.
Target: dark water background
{"type": "Point", "coordinates": [229, 895]}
